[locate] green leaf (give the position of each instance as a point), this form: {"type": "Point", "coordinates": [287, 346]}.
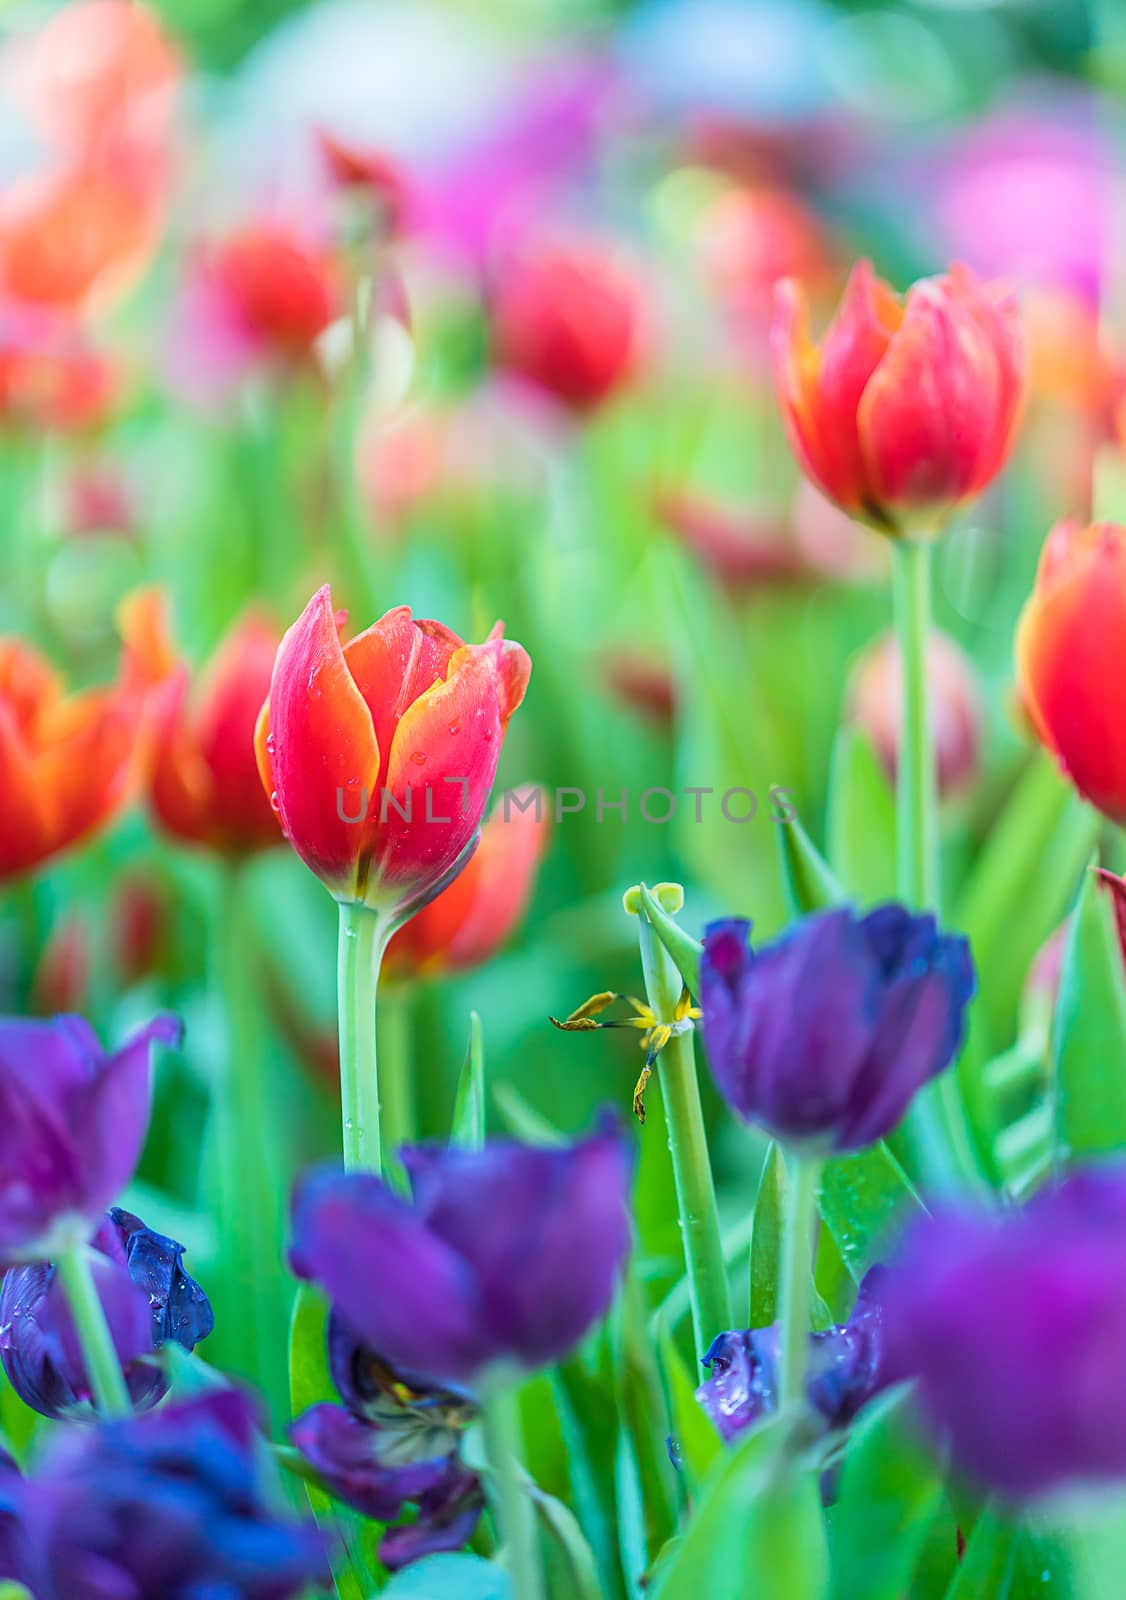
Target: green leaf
{"type": "Point", "coordinates": [15, 1591]}
{"type": "Point", "coordinates": [766, 1238]}
{"type": "Point", "coordinates": [889, 1493]}
{"type": "Point", "coordinates": [865, 1198]}
{"type": "Point", "coordinates": [1089, 1034]}
{"type": "Point", "coordinates": [18, 1422]}
{"type": "Point", "coordinates": [588, 1423]}
{"type": "Point", "coordinates": [450, 1577]}
{"type": "Point", "coordinates": [649, 1474]}
{"type": "Point", "coordinates": [523, 1119]}
{"type": "Point", "coordinates": [697, 1440]}
{"type": "Point", "coordinates": [309, 1379]}
{"type": "Point", "coordinates": [811, 883]}
{"type": "Point", "coordinates": [861, 824]}
{"type": "Point", "coordinates": [758, 1530]}
{"type": "Point", "coordinates": [1021, 886]}
{"type": "Point", "coordinates": [310, 1383]}
{"type": "Point", "coordinates": [1013, 1561]}
{"type": "Point", "coordinates": [570, 1566]}
{"type": "Point", "coordinates": [684, 950]}
{"type": "Point", "coordinates": [469, 1103]}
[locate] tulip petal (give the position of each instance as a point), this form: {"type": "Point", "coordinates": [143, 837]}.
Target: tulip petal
{"type": "Point", "coordinates": [1071, 652]}
{"type": "Point", "coordinates": [109, 1122]}
{"type": "Point", "coordinates": [394, 662]}
{"type": "Point", "coordinates": [25, 813]}
{"type": "Point", "coordinates": [929, 414]}
{"type": "Point", "coordinates": [323, 746]}
{"type": "Point", "coordinates": [405, 1291]}
{"type": "Point", "coordinates": [440, 769]}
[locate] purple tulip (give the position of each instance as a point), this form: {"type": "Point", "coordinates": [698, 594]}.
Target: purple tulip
{"type": "Point", "coordinates": [824, 1036]}
{"type": "Point", "coordinates": [503, 1256]}
{"type": "Point", "coordinates": [164, 1506]}
{"type": "Point", "coordinates": [356, 1461]}
{"type": "Point", "coordinates": [1015, 1328]}
{"type": "Point", "coordinates": [148, 1299]}
{"type": "Point", "coordinates": [72, 1123]}
{"type": "Point", "coordinates": [393, 1443]}
{"type": "Point", "coordinates": [845, 1369]}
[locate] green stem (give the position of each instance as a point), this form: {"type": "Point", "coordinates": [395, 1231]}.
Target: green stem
{"type": "Point", "coordinates": [395, 1080]}
{"type": "Point", "coordinates": [688, 1145]}
{"type": "Point", "coordinates": [513, 1508]}
{"type": "Point", "coordinates": [363, 938]}
{"type": "Point", "coordinates": [935, 1127]}
{"type": "Point", "coordinates": [98, 1352]}
{"type": "Point", "coordinates": [251, 1310]}
{"type": "Point", "coordinates": [796, 1286]}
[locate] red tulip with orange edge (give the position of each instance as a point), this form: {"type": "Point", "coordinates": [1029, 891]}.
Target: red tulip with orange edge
{"type": "Point", "coordinates": [1071, 658]}
{"type": "Point", "coordinates": [906, 408]}
{"type": "Point", "coordinates": [379, 754]}
{"type": "Point", "coordinates": [66, 761]}
{"type": "Point", "coordinates": [568, 319]}
{"type": "Point", "coordinates": [202, 775]}
{"type": "Point", "coordinates": [469, 921]}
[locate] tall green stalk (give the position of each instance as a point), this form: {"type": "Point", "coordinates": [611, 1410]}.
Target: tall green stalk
{"type": "Point", "coordinates": [363, 938]}
{"type": "Point", "coordinates": [111, 1397]}
{"type": "Point", "coordinates": [512, 1504]}
{"type": "Point", "coordinates": [795, 1291]}
{"type": "Point", "coordinates": [251, 1312]}
{"type": "Point", "coordinates": [688, 1145]}
{"type": "Point", "coordinates": [395, 1077]}
{"type": "Point", "coordinates": [935, 1127]}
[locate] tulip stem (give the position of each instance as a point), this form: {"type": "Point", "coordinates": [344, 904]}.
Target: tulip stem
{"type": "Point", "coordinates": [935, 1127]}
{"type": "Point", "coordinates": [396, 1082]}
{"type": "Point", "coordinates": [513, 1507]}
{"type": "Point", "coordinates": [795, 1288]}
{"type": "Point", "coordinates": [363, 938]}
{"type": "Point", "coordinates": [688, 1146]}
{"type": "Point", "coordinates": [99, 1353]}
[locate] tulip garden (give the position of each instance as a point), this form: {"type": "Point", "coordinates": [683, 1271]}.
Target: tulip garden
{"type": "Point", "coordinates": [562, 765]}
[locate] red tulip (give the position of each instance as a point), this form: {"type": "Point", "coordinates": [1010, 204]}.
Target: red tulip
{"type": "Point", "coordinates": [202, 773]}
{"type": "Point", "coordinates": [367, 173]}
{"type": "Point", "coordinates": [65, 761]}
{"type": "Point", "coordinates": [469, 921]}
{"type": "Point", "coordinates": [380, 754]}
{"type": "Point", "coordinates": [1071, 658]}
{"type": "Point", "coordinates": [875, 704]}
{"type": "Point", "coordinates": [905, 409]}
{"type": "Point", "coordinates": [568, 319]}
{"type": "Point", "coordinates": [277, 287]}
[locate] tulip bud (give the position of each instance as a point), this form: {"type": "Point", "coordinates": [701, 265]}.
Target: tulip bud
{"type": "Point", "coordinates": [905, 409]}
{"type": "Point", "coordinates": [568, 319]}
{"type": "Point", "coordinates": [874, 699]}
{"type": "Point", "coordinates": [379, 754]}
{"type": "Point", "coordinates": [1069, 658]}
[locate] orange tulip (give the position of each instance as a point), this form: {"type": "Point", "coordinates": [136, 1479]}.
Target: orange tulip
{"type": "Point", "coordinates": [469, 921]}
{"type": "Point", "coordinates": [202, 774]}
{"type": "Point", "coordinates": [875, 703]}
{"type": "Point", "coordinates": [379, 754]}
{"type": "Point", "coordinates": [1071, 658]}
{"type": "Point", "coordinates": [568, 319]}
{"type": "Point", "coordinates": [65, 761]}
{"type": "Point", "coordinates": [905, 409]}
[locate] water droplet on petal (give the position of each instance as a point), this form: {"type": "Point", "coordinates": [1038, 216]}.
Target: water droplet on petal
{"type": "Point", "coordinates": [418, 757]}
{"type": "Point", "coordinates": [274, 801]}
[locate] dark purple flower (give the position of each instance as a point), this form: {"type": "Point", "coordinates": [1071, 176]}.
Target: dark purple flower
{"type": "Point", "coordinates": [368, 1467]}
{"type": "Point", "coordinates": [845, 1369]}
{"type": "Point", "coordinates": [148, 1298]}
{"type": "Point", "coordinates": [1015, 1328]}
{"type": "Point", "coordinates": [72, 1123]}
{"type": "Point", "coordinates": [165, 1506]}
{"type": "Point", "coordinates": [505, 1255]}
{"type": "Point", "coordinates": [396, 1444]}
{"type": "Point", "coordinates": [825, 1035]}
